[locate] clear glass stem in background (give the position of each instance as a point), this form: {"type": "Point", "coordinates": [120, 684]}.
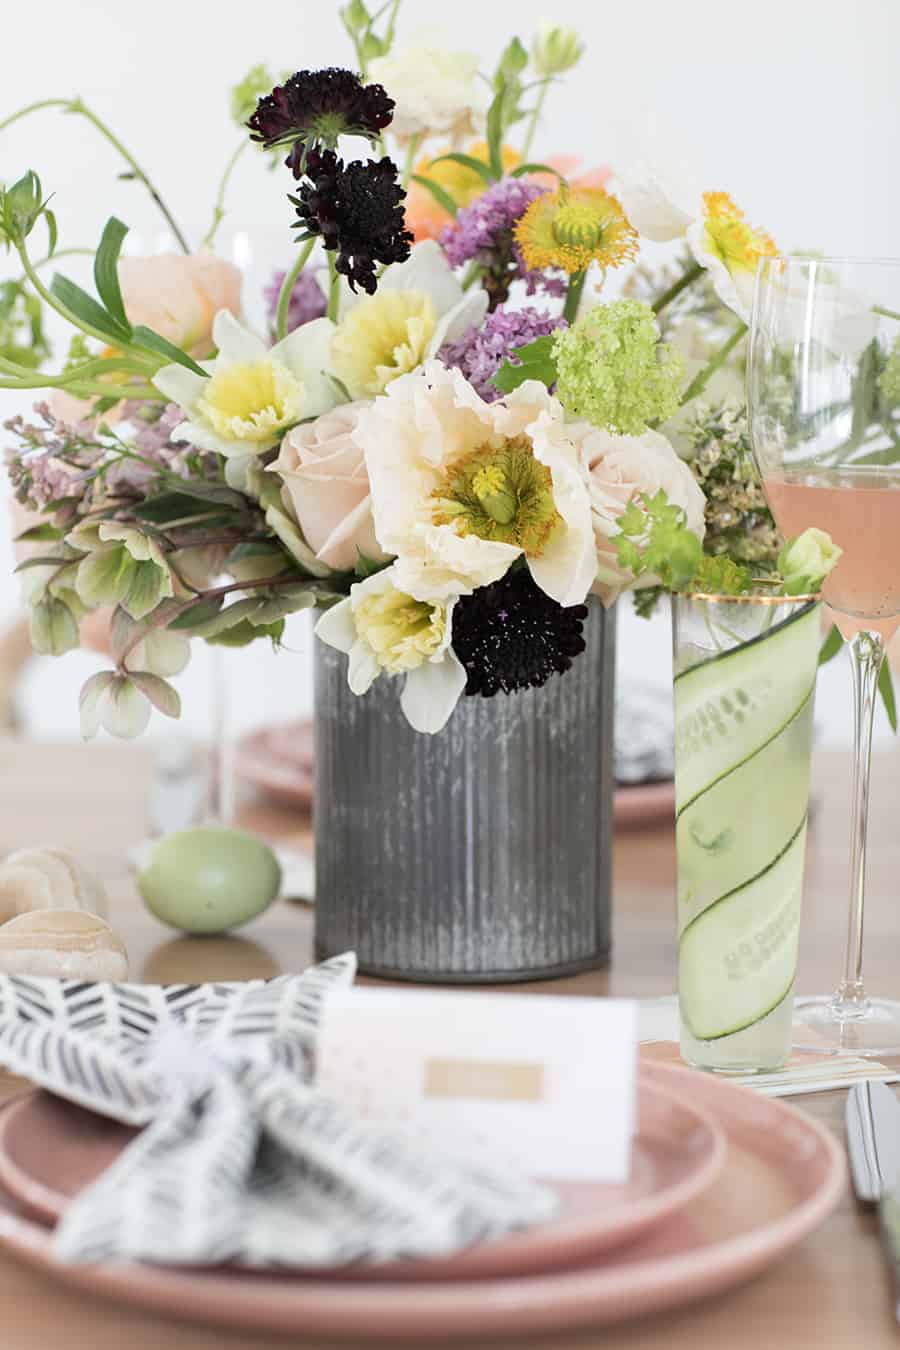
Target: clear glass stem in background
{"type": "Point", "coordinates": [866, 656]}
{"type": "Point", "coordinates": [221, 799]}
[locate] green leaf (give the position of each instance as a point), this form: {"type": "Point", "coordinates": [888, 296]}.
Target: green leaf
{"type": "Point", "coordinates": [176, 506]}
{"type": "Point", "coordinates": [886, 689]}
{"type": "Point", "coordinates": [199, 613]}
{"type": "Point", "coordinates": [218, 493]}
{"type": "Point", "coordinates": [514, 59]}
{"type": "Point", "coordinates": [521, 169]}
{"type": "Point", "coordinates": [152, 342]}
{"type": "Point", "coordinates": [242, 634]}
{"type": "Point", "coordinates": [537, 363]}
{"type": "Point", "coordinates": [367, 567]}
{"type": "Point", "coordinates": [440, 195]}
{"type": "Point", "coordinates": [495, 128]}
{"type": "Point", "coordinates": [39, 534]}
{"type": "Point", "coordinates": [41, 562]}
{"type": "Point", "coordinates": [86, 308]}
{"type": "Point", "coordinates": [476, 165]}
{"type": "Point", "coordinates": [831, 646]}
{"type": "Point", "coordinates": [52, 232]}
{"type": "Point", "coordinates": [106, 270]}
{"type": "Point", "coordinates": [225, 618]}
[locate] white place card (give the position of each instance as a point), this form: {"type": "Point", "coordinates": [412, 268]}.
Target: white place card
{"type": "Point", "coordinates": [541, 1083]}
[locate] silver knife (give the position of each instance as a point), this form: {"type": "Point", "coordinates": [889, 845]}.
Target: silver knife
{"type": "Point", "coordinates": [873, 1146]}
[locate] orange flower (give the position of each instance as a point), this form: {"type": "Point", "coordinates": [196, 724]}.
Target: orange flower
{"type": "Point", "coordinates": [424, 215]}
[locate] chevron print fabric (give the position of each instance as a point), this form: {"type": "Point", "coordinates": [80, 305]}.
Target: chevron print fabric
{"type": "Point", "coordinates": [240, 1159]}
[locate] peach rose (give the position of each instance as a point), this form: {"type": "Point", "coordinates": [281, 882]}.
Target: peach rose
{"type": "Point", "coordinates": [179, 295]}
{"type": "Point", "coordinates": [619, 469]}
{"type": "Point", "coordinates": [326, 488]}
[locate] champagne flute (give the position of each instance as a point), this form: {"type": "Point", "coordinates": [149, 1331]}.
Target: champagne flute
{"type": "Point", "coordinates": [824, 403]}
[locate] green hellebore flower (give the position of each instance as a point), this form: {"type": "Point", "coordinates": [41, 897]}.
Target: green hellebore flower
{"type": "Point", "coordinates": [555, 49]}
{"type": "Point", "coordinates": [54, 628]}
{"type": "Point", "coordinates": [122, 567]}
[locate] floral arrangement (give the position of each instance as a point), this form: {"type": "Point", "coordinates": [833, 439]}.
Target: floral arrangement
{"type": "Point", "coordinates": [450, 439]}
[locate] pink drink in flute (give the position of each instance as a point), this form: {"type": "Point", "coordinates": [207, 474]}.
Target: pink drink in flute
{"type": "Point", "coordinates": [861, 512]}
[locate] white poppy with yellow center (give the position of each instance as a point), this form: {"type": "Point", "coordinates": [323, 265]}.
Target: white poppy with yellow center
{"type": "Point", "coordinates": [419, 305]}
{"type": "Point", "coordinates": [386, 631]}
{"type": "Point", "coordinates": [461, 488]}
{"type": "Point", "coordinates": [251, 395]}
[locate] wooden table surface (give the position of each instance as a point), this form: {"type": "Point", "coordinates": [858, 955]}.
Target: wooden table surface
{"type": "Point", "coordinates": [831, 1293]}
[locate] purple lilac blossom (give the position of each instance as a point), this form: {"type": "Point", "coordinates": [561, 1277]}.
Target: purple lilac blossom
{"type": "Point", "coordinates": [481, 228]}
{"type": "Point", "coordinates": [307, 300]}
{"type": "Point", "coordinates": [480, 352]}
{"type": "Point", "coordinates": [53, 461]}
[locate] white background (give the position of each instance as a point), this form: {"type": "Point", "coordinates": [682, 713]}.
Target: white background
{"type": "Point", "coordinates": [791, 105]}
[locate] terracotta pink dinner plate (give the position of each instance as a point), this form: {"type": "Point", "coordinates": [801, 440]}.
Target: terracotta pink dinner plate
{"type": "Point", "coordinates": [784, 1173]}
{"type": "Point", "coordinates": [279, 761]}
{"type": "Point", "coordinates": [51, 1149]}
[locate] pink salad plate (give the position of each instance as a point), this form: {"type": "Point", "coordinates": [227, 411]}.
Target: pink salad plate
{"type": "Point", "coordinates": [50, 1149]}
{"type": "Point", "coordinates": [783, 1174]}
{"type": "Point", "coordinates": [278, 761]}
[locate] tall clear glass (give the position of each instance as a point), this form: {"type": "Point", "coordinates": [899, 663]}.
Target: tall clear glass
{"type": "Point", "coordinates": [745, 677]}
{"type": "Point", "coordinates": [824, 400]}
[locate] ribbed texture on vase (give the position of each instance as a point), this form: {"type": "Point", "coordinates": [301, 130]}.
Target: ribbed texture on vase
{"type": "Point", "coordinates": [481, 853]}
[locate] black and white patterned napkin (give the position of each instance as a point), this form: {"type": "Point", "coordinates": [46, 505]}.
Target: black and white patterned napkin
{"type": "Point", "coordinates": [240, 1158]}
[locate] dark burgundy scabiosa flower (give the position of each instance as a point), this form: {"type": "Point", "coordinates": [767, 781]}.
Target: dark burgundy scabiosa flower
{"type": "Point", "coordinates": [510, 635]}
{"type": "Point", "coordinates": [357, 210]}
{"type": "Point", "coordinates": [315, 107]}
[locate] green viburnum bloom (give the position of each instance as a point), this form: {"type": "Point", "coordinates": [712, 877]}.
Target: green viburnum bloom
{"type": "Point", "coordinates": [613, 370]}
{"type": "Point", "coordinates": [246, 94]}
{"type": "Point", "coordinates": [122, 566]}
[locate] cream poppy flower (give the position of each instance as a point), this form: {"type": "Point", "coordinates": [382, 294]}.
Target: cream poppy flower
{"type": "Point", "coordinates": [251, 395]}
{"type": "Point", "coordinates": [385, 631]}
{"type": "Point", "coordinates": [461, 488]}
{"type": "Point", "coordinates": [419, 305]}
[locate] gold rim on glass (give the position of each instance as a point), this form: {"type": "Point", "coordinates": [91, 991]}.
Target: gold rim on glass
{"type": "Point", "coordinates": [747, 599]}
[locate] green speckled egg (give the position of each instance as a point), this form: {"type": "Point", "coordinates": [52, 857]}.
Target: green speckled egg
{"type": "Point", "coordinates": [208, 880]}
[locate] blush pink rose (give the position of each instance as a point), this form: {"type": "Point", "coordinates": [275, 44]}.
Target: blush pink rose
{"type": "Point", "coordinates": [620, 469]}
{"type": "Point", "coordinates": [326, 488]}
{"type": "Point", "coordinates": [178, 295]}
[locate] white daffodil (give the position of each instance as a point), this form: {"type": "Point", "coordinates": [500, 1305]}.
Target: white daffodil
{"type": "Point", "coordinates": [385, 631]}
{"type": "Point", "coordinates": [717, 232]}
{"type": "Point", "coordinates": [461, 488]}
{"type": "Point", "coordinates": [419, 305]}
{"type": "Point", "coordinates": [251, 394]}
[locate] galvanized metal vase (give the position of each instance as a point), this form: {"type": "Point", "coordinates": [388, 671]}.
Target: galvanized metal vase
{"type": "Point", "coordinates": [482, 853]}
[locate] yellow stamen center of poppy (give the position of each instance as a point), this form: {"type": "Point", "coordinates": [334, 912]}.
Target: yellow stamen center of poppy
{"type": "Point", "coordinates": [731, 237]}
{"type": "Point", "coordinates": [574, 227]}
{"type": "Point", "coordinates": [251, 401]}
{"type": "Point", "coordinates": [384, 336]}
{"type": "Point", "coordinates": [503, 494]}
{"type": "Point", "coordinates": [402, 632]}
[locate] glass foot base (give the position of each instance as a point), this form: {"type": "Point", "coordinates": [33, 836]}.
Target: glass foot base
{"type": "Point", "coordinates": [873, 1031]}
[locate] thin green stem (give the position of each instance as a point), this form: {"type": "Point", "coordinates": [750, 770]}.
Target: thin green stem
{"type": "Point", "coordinates": [412, 150]}
{"type": "Point", "coordinates": [287, 289]}
{"type": "Point", "coordinates": [75, 105]}
{"type": "Point", "coordinates": [61, 253]}
{"type": "Point", "coordinates": [703, 377]}
{"type": "Point", "coordinates": [573, 295]}
{"type": "Point", "coordinates": [35, 107]}
{"type": "Point", "coordinates": [888, 313]}
{"type": "Point", "coordinates": [219, 208]}
{"type": "Point", "coordinates": [689, 277]}
{"type": "Point", "coordinates": [334, 290]}
{"type": "Point", "coordinates": [534, 120]}
{"type": "Point", "coordinates": [472, 274]}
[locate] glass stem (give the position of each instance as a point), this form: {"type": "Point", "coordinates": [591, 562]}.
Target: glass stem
{"type": "Point", "coordinates": [866, 657]}
{"type": "Point", "coordinates": [221, 803]}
